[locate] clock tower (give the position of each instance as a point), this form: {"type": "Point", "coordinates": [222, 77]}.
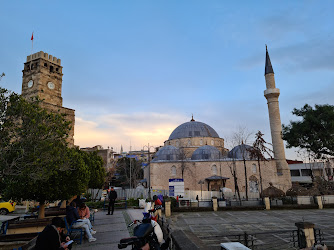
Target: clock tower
{"type": "Point", "coordinates": [42, 77]}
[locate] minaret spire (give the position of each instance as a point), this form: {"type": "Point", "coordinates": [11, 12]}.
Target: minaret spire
{"type": "Point", "coordinates": [268, 68]}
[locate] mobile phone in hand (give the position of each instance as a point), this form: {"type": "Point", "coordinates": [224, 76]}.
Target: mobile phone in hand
{"type": "Point", "coordinates": [68, 243]}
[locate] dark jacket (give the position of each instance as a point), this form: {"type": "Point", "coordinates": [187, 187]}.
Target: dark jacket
{"type": "Point", "coordinates": [112, 195]}
{"type": "Point", "coordinates": [71, 214]}
{"type": "Point", "coordinates": [48, 239]}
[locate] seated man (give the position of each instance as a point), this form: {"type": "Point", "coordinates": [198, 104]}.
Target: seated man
{"type": "Point", "coordinates": [73, 216]}
{"type": "Point", "coordinates": [50, 237]}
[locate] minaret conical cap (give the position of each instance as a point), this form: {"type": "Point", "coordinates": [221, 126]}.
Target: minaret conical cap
{"type": "Point", "coordinates": [268, 68]}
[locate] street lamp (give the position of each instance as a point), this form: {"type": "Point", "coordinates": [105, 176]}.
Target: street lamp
{"type": "Point", "coordinates": [149, 168]}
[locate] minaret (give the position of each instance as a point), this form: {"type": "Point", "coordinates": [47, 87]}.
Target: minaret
{"type": "Point", "coordinates": [272, 93]}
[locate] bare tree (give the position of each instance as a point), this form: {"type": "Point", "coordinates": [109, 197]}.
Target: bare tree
{"type": "Point", "coordinates": [233, 170]}
{"type": "Point", "coordinates": [258, 152]}
{"type": "Point", "coordinates": [241, 138]}
{"type": "Point", "coordinates": [123, 170]}
{"type": "Point", "coordinates": [183, 159]}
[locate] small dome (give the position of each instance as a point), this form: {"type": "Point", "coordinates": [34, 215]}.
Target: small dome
{"type": "Point", "coordinates": [206, 153]}
{"type": "Point", "coordinates": [193, 129]}
{"type": "Point", "coordinates": [167, 153]}
{"type": "Point", "coordinates": [240, 152]}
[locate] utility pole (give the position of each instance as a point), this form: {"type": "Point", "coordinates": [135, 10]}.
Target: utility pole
{"type": "Point", "coordinates": [149, 168]}
{"type": "Point", "coordinates": [130, 166]}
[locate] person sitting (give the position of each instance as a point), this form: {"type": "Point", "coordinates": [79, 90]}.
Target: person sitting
{"type": "Point", "coordinates": [50, 237]}
{"type": "Point", "coordinates": [84, 214]}
{"type": "Point", "coordinates": [72, 216]}
{"type": "Point", "coordinates": [83, 211]}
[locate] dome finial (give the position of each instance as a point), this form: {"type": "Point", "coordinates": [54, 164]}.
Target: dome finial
{"type": "Point", "coordinates": [192, 118]}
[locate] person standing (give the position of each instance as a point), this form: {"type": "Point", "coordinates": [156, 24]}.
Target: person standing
{"type": "Point", "coordinates": [112, 198]}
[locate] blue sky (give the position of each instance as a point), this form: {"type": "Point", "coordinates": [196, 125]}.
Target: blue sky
{"type": "Point", "coordinates": [135, 70]}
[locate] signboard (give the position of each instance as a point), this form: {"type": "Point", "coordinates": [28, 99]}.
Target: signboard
{"type": "Point", "coordinates": [176, 187]}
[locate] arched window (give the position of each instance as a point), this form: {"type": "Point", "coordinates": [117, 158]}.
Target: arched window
{"type": "Point", "coordinates": [214, 170]}
{"type": "Point", "coordinates": [177, 143]}
{"type": "Point", "coordinates": [212, 143]}
{"type": "Point", "coordinates": [173, 170]}
{"type": "Point", "coordinates": [254, 168]}
{"type": "Point", "coordinates": [189, 142]}
{"type": "Point", "coordinates": [201, 142]}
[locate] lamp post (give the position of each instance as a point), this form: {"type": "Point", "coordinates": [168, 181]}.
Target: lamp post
{"type": "Point", "coordinates": [149, 168]}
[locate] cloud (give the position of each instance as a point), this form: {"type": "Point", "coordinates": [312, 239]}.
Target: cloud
{"type": "Point", "coordinates": [115, 130]}
{"type": "Point", "coordinates": [311, 55]}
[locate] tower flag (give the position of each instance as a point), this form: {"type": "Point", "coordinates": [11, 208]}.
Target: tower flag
{"type": "Point", "coordinates": [32, 46]}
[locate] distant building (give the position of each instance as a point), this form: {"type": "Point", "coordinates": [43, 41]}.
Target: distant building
{"type": "Point", "coordinates": [106, 154]}
{"type": "Point", "coordinates": [304, 173]}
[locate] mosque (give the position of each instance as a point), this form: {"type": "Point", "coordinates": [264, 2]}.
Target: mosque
{"type": "Point", "coordinates": [195, 153]}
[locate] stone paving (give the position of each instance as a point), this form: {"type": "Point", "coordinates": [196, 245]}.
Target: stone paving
{"type": "Point", "coordinates": [271, 228]}
{"type": "Point", "coordinates": [207, 230]}
{"type": "Point", "coordinates": [110, 229]}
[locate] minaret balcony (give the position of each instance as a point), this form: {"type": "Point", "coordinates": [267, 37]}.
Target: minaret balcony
{"type": "Point", "coordinates": [271, 92]}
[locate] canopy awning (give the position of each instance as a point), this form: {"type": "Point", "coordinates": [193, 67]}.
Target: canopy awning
{"type": "Point", "coordinates": [216, 177]}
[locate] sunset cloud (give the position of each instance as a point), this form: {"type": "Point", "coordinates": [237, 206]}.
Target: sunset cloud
{"type": "Point", "coordinates": [114, 130]}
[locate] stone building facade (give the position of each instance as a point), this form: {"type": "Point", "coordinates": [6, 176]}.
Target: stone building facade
{"type": "Point", "coordinates": [42, 77]}
{"type": "Point", "coordinates": [107, 155]}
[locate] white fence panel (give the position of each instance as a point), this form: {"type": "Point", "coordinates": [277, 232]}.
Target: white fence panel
{"type": "Point", "coordinates": [304, 200]}
{"type": "Point", "coordinates": [328, 199]}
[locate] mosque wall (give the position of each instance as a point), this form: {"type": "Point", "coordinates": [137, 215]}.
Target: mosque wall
{"type": "Point", "coordinates": [194, 171]}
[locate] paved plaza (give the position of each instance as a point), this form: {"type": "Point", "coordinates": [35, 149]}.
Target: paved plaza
{"type": "Point", "coordinates": [110, 229]}
{"type": "Point", "coordinates": [271, 228]}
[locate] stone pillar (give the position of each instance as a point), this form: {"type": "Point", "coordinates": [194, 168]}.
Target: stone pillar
{"type": "Point", "coordinates": [27, 206]}
{"type": "Point", "coordinates": [215, 204]}
{"type": "Point", "coordinates": [168, 210]}
{"type": "Point", "coordinates": [267, 203]}
{"type": "Point", "coordinates": [305, 234]}
{"type": "Point", "coordinates": [319, 201]}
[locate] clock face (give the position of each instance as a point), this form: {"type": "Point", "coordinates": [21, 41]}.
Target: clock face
{"type": "Point", "coordinates": [30, 83]}
{"type": "Point", "coordinates": [51, 85]}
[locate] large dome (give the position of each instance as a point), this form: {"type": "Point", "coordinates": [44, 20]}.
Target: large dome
{"type": "Point", "coordinates": [193, 129]}
{"type": "Point", "coordinates": [206, 153]}
{"type": "Point", "coordinates": [167, 153]}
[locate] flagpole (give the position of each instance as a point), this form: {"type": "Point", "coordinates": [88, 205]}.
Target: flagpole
{"type": "Point", "coordinates": [32, 47]}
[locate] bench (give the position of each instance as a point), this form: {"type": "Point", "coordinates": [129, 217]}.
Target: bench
{"type": "Point", "coordinates": [27, 226]}
{"type": "Point", "coordinates": [119, 203]}
{"type": "Point", "coordinates": [71, 230]}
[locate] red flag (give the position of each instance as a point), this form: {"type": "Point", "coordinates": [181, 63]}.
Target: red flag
{"type": "Point", "coordinates": [32, 36]}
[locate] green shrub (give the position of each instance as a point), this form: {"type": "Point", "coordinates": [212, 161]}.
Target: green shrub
{"type": "Point", "coordinates": [133, 202]}
{"type": "Point", "coordinates": [96, 204]}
